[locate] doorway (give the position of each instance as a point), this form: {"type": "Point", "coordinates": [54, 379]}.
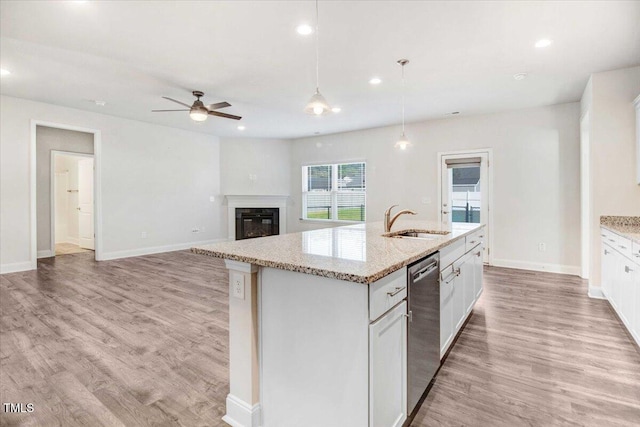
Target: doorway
{"type": "Point", "coordinates": [72, 214]}
{"type": "Point", "coordinates": [464, 192]}
{"type": "Point", "coordinates": [47, 138]}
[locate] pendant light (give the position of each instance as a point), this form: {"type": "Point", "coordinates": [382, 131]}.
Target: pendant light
{"type": "Point", "coordinates": [403, 142]}
{"type": "Point", "coordinates": [317, 104]}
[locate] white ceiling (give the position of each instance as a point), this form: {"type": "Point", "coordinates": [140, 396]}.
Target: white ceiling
{"type": "Point", "coordinates": [463, 56]}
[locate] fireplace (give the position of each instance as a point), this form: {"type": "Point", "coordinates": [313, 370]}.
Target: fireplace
{"type": "Point", "coordinates": [257, 222]}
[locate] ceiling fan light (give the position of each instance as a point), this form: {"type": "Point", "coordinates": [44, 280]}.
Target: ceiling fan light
{"type": "Point", "coordinates": [199, 114]}
{"type": "Point", "coordinates": [317, 105]}
{"type": "Point", "coordinates": [403, 143]}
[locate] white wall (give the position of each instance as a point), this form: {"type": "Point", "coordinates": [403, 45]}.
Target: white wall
{"type": "Point", "coordinates": [535, 153]}
{"type": "Point", "coordinates": [155, 179]}
{"type": "Point", "coordinates": [608, 98]}
{"type": "Point", "coordinates": [253, 166]}
{"type": "Point", "coordinates": [48, 139]}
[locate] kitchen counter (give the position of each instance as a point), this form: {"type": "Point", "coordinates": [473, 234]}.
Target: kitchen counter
{"type": "Point", "coordinates": [625, 226]}
{"type": "Point", "coordinates": [356, 253]}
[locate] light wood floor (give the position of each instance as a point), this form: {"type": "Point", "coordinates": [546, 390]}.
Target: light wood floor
{"type": "Point", "coordinates": [69, 248]}
{"type": "Point", "coordinates": [143, 341]}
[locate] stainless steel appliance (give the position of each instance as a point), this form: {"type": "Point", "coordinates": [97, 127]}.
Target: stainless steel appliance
{"type": "Point", "coordinates": [423, 355]}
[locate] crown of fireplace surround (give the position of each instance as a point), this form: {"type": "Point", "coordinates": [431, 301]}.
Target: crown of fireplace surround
{"type": "Point", "coordinates": [255, 201]}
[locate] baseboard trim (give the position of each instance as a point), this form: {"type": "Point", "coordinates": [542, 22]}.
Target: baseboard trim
{"type": "Point", "coordinates": [241, 414]}
{"type": "Point", "coordinates": [596, 292]}
{"type": "Point", "coordinates": [155, 249]}
{"type": "Point", "coordinates": [45, 254]}
{"type": "Point", "coordinates": [17, 267]}
{"type": "Point", "coordinates": [549, 268]}
{"type": "Point", "coordinates": [73, 240]}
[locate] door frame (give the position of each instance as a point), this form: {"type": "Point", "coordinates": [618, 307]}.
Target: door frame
{"type": "Point", "coordinates": [97, 185]}
{"type": "Point", "coordinates": [585, 196]}
{"type": "Point", "coordinates": [489, 197]}
{"type": "Point", "coordinates": [54, 155]}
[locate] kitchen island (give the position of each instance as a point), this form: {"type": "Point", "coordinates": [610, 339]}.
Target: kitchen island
{"type": "Point", "coordinates": [318, 320]}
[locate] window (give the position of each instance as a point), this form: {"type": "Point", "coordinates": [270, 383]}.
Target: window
{"type": "Point", "coordinates": [334, 192]}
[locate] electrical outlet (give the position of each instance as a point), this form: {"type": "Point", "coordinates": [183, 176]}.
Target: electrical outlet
{"type": "Point", "coordinates": [542, 247]}
{"type": "Point", "coordinates": [237, 285]}
{"type": "Point", "coordinates": [143, 235]}
{"type": "Point", "coordinates": [195, 230]}
{"type": "Point", "coordinates": [212, 199]}
{"type": "Point", "coordinates": [426, 200]}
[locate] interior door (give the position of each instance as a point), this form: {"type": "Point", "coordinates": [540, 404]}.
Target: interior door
{"type": "Point", "coordinates": [464, 191]}
{"type": "Point", "coordinates": [85, 204]}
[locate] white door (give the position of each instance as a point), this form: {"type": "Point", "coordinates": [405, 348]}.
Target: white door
{"type": "Point", "coordinates": [85, 204]}
{"type": "Point", "coordinates": [388, 369]}
{"type": "Point", "coordinates": [464, 191]}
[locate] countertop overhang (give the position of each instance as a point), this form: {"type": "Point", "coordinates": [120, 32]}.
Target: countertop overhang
{"type": "Point", "coordinates": [355, 253]}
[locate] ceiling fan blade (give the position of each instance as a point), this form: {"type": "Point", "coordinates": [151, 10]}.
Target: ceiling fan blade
{"type": "Point", "coordinates": [226, 116]}
{"type": "Point", "coordinates": [179, 102]}
{"type": "Point", "coordinates": [160, 111]}
{"type": "Point", "coordinates": [218, 106]}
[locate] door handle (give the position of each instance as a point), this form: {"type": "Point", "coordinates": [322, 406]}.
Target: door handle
{"type": "Point", "coordinates": [627, 269]}
{"type": "Point", "coordinates": [445, 212]}
{"type": "Point", "coordinates": [78, 208]}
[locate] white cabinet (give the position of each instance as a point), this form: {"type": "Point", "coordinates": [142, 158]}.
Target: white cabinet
{"type": "Point", "coordinates": [460, 287]}
{"type": "Point", "coordinates": [621, 280]}
{"type": "Point", "coordinates": [388, 369]}
{"type": "Point", "coordinates": [478, 268]}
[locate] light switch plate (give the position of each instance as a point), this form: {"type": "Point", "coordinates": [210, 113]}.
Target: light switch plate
{"type": "Point", "coordinates": [237, 285]}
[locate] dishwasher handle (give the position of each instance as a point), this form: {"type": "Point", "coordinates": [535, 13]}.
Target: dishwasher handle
{"type": "Point", "coordinates": [422, 273]}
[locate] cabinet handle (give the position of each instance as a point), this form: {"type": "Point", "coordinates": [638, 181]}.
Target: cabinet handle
{"type": "Point", "coordinates": [396, 292]}
{"type": "Point", "coordinates": [636, 255]}
{"type": "Point", "coordinates": [457, 272]}
{"type": "Point", "coordinates": [611, 240]}
{"type": "Point", "coordinates": [480, 252]}
{"type": "Point", "coordinates": [606, 252]}
{"type": "Point", "coordinates": [623, 247]}
{"type": "Point", "coordinates": [627, 269]}
{"type": "Point", "coordinates": [472, 242]}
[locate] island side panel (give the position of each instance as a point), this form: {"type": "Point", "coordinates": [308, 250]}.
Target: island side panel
{"type": "Point", "coordinates": [314, 358]}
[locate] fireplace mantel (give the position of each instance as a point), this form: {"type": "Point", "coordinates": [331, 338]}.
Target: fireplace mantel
{"type": "Point", "coordinates": [255, 201]}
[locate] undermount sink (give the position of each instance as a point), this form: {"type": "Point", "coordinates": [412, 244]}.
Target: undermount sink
{"type": "Point", "coordinates": [421, 235]}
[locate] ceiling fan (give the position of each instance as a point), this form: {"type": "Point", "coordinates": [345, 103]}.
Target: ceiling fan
{"type": "Point", "coordinates": [199, 111]}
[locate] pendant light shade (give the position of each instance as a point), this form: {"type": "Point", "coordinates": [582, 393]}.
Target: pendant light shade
{"type": "Point", "coordinates": [403, 142]}
{"type": "Point", "coordinates": [317, 105]}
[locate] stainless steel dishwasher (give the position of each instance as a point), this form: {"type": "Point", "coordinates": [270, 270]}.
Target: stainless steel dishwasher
{"type": "Point", "coordinates": [423, 353]}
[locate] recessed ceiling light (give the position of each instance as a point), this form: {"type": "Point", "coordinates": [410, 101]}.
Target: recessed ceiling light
{"type": "Point", "coordinates": [375, 81]}
{"type": "Point", "coordinates": [336, 109]}
{"type": "Point", "coordinates": [100, 103]}
{"type": "Point", "coordinates": [543, 43]}
{"type": "Point", "coordinates": [4, 72]}
{"type": "Point", "coordinates": [241, 127]}
{"type": "Point", "coordinates": [520, 76]}
{"type": "Point", "coordinates": [304, 29]}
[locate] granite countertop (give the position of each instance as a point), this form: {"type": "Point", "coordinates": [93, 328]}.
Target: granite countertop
{"type": "Point", "coordinates": [356, 253]}
{"type": "Point", "coordinates": [625, 226]}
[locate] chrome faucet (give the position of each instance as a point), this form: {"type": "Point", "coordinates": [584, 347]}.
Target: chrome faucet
{"type": "Point", "coordinates": [388, 221]}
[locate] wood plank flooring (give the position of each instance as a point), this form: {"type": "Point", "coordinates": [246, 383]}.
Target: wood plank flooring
{"type": "Point", "coordinates": [143, 341]}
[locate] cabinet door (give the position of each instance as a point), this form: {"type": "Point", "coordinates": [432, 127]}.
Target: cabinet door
{"type": "Point", "coordinates": [446, 312]}
{"type": "Point", "coordinates": [458, 297]}
{"type": "Point", "coordinates": [635, 281]}
{"type": "Point", "coordinates": [388, 369]}
{"type": "Point", "coordinates": [468, 278]}
{"type": "Point", "coordinates": [478, 272]}
{"type": "Point", "coordinates": [628, 311]}
{"type": "Point", "coordinates": [608, 266]}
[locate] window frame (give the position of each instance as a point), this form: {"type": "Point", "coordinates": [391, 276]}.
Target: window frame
{"type": "Point", "coordinates": [334, 192]}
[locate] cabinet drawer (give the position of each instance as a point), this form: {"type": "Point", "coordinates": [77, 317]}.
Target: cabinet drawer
{"type": "Point", "coordinates": [450, 253]}
{"type": "Point", "coordinates": [473, 239]}
{"type": "Point", "coordinates": [387, 292]}
{"type": "Point", "coordinates": [635, 256]}
{"type": "Point", "coordinates": [617, 242]}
